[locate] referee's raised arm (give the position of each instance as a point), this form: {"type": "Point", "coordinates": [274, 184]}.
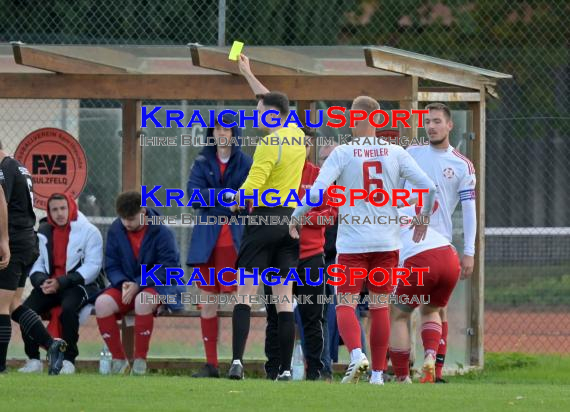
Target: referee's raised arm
{"type": "Point", "coordinates": [256, 86]}
{"type": "Point", "coordinates": [274, 166]}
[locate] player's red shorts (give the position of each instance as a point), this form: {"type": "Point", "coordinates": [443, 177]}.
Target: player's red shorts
{"type": "Point", "coordinates": [117, 295]}
{"type": "Point", "coordinates": [439, 282]}
{"type": "Point", "coordinates": [221, 257]}
{"type": "Point", "coordinates": [368, 261]}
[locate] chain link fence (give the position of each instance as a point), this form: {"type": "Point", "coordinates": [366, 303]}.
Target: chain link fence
{"type": "Point", "coordinates": [527, 218]}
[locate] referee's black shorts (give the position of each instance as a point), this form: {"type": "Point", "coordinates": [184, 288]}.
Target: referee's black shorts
{"type": "Point", "coordinates": [24, 252]}
{"type": "Point", "coordinates": [265, 245]}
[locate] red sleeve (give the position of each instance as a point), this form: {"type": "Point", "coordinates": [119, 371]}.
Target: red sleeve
{"type": "Point", "coordinates": [310, 174]}
{"type": "Point", "coordinates": [323, 210]}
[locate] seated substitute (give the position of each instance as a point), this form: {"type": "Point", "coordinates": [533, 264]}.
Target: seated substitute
{"type": "Point", "coordinates": [129, 245]}
{"type": "Point", "coordinates": [71, 256]}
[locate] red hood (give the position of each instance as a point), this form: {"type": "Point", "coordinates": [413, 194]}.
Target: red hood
{"type": "Point", "coordinates": [71, 205]}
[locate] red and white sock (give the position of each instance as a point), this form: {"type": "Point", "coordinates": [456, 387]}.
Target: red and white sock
{"type": "Point", "coordinates": [143, 332]}
{"type": "Point", "coordinates": [210, 337]}
{"type": "Point", "coordinates": [112, 336]}
{"type": "Point", "coordinates": [431, 334]}
{"type": "Point", "coordinates": [348, 327]}
{"type": "Point", "coordinates": [441, 351]}
{"type": "Point", "coordinates": [400, 362]}
{"type": "Point", "coordinates": [379, 337]}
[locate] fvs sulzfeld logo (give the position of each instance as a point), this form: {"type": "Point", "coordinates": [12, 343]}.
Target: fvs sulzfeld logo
{"type": "Point", "coordinates": [56, 161]}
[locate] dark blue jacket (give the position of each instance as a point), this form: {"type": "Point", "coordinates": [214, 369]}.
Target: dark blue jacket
{"type": "Point", "coordinates": [205, 174]}
{"type": "Point", "coordinates": [158, 247]}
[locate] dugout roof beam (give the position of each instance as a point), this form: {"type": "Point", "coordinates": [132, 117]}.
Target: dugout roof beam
{"type": "Point", "coordinates": [217, 59]}
{"type": "Point", "coordinates": [192, 87]}
{"type": "Point", "coordinates": [191, 73]}
{"type": "Point", "coordinates": [58, 61]}
{"type": "Point", "coordinates": [448, 94]}
{"type": "Point", "coordinates": [433, 68]}
{"type": "Point", "coordinates": [408, 62]}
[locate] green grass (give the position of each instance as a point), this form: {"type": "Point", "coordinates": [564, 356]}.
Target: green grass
{"type": "Point", "coordinates": [510, 382]}
{"type": "Point", "coordinates": [517, 368]}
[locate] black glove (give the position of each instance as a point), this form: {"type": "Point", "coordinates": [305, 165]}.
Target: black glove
{"type": "Point", "coordinates": [37, 278]}
{"type": "Point", "coordinates": [71, 279]}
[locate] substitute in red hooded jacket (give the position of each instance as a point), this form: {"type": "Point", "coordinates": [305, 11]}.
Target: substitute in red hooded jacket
{"type": "Point", "coordinates": [311, 257]}
{"type": "Point", "coordinates": [312, 240]}
{"type": "Point", "coordinates": [71, 256]}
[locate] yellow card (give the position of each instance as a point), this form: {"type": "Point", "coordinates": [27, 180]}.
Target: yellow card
{"type": "Point", "coordinates": [237, 47]}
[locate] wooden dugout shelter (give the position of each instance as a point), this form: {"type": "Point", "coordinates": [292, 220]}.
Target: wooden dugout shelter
{"type": "Point", "coordinates": [307, 74]}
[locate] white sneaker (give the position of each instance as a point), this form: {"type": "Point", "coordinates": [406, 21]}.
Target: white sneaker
{"type": "Point", "coordinates": [377, 378]}
{"type": "Point", "coordinates": [120, 366]}
{"type": "Point", "coordinates": [406, 381]}
{"type": "Point", "coordinates": [68, 368]}
{"type": "Point", "coordinates": [285, 376]}
{"type": "Point", "coordinates": [355, 370]}
{"type": "Point", "coordinates": [139, 367]}
{"type": "Point", "coordinates": [32, 366]}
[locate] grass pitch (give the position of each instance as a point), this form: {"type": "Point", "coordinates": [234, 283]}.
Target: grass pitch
{"type": "Point", "coordinates": [509, 383]}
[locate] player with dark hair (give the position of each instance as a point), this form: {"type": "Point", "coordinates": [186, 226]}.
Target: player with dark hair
{"type": "Point", "coordinates": [63, 277]}
{"type": "Point", "coordinates": [454, 176]}
{"type": "Point", "coordinates": [129, 245]}
{"type": "Point", "coordinates": [276, 101]}
{"type": "Point", "coordinates": [16, 184]}
{"type": "Point", "coordinates": [277, 167]}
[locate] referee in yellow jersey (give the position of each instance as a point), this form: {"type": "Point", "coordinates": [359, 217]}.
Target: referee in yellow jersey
{"type": "Point", "coordinates": [263, 246]}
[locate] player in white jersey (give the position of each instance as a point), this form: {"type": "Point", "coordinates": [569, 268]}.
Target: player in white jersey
{"type": "Point", "coordinates": [366, 166]}
{"type": "Point", "coordinates": [454, 176]}
{"type": "Point", "coordinates": [434, 272]}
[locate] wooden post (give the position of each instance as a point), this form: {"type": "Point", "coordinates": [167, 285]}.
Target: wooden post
{"type": "Point", "coordinates": [132, 150]}
{"type": "Point", "coordinates": [412, 132]}
{"type": "Point", "coordinates": [478, 277]}
{"type": "Point", "coordinates": [131, 180]}
{"type": "Point", "coordinates": [411, 104]}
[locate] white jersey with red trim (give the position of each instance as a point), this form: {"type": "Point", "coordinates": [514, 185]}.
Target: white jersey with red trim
{"type": "Point", "coordinates": [433, 238]}
{"type": "Point", "coordinates": [367, 166]}
{"type": "Point", "coordinates": [454, 176]}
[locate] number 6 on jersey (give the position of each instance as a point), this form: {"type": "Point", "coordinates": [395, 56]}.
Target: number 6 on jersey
{"type": "Point", "coordinates": [369, 181]}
